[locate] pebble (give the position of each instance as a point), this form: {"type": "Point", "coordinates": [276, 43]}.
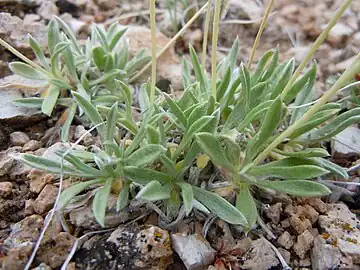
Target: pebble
{"type": "Point", "coordinates": [46, 199]}
{"type": "Point", "coordinates": [31, 145]}
{"type": "Point", "coordinates": [300, 224]}
{"type": "Point", "coordinates": [19, 138]}
{"type": "Point", "coordinates": [5, 189]}
{"type": "Point", "coordinates": [273, 212]}
{"type": "Point", "coordinates": [303, 244]}
{"type": "Point", "coordinates": [7, 159]}
{"type": "Point", "coordinates": [285, 240]}
{"type": "Point", "coordinates": [195, 252]}
{"type": "Point", "coordinates": [308, 211]}
{"type": "Point", "coordinates": [318, 205]}
{"type": "Point", "coordinates": [286, 254]}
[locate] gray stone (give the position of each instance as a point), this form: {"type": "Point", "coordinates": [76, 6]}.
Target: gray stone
{"type": "Point", "coordinates": [195, 252]}
{"type": "Point", "coordinates": [7, 159]}
{"type": "Point", "coordinates": [31, 145]}
{"type": "Point", "coordinates": [303, 244]}
{"type": "Point", "coordinates": [19, 138]}
{"type": "Point", "coordinates": [285, 240]}
{"type": "Point", "coordinates": [5, 189]}
{"type": "Point", "coordinates": [347, 142]}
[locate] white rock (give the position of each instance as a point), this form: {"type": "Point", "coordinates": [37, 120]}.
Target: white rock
{"type": "Point", "coordinates": [195, 252]}
{"type": "Point", "coordinates": [347, 141]}
{"type": "Point", "coordinates": [19, 138]}
{"type": "Point", "coordinates": [251, 9]}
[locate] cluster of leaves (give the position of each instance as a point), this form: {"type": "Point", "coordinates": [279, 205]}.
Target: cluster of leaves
{"type": "Point", "coordinates": [91, 69]}
{"type": "Point", "coordinates": [176, 135]}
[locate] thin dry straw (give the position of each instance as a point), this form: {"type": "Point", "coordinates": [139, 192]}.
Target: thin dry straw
{"type": "Point", "coordinates": [153, 50]}
{"type": "Point", "coordinates": [215, 37]}
{"type": "Point", "coordinates": [50, 215]}
{"type": "Point", "coordinates": [206, 34]}
{"type": "Point", "coordinates": [171, 42]}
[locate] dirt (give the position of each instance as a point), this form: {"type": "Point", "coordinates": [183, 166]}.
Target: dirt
{"type": "Point", "coordinates": [297, 226]}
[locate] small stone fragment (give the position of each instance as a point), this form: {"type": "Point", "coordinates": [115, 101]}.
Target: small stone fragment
{"type": "Point", "coordinates": [286, 254]}
{"type": "Point", "coordinates": [305, 262]}
{"type": "Point", "coordinates": [303, 244]}
{"type": "Point", "coordinates": [7, 159]}
{"type": "Point", "coordinates": [285, 223]}
{"type": "Point", "coordinates": [195, 252]}
{"type": "Point", "coordinates": [318, 204]}
{"type": "Point", "coordinates": [46, 199]}
{"type": "Point", "coordinates": [5, 189]}
{"type": "Point", "coordinates": [87, 139]}
{"type": "Point", "coordinates": [29, 207]}
{"type": "Point", "coordinates": [290, 210]}
{"type": "Point", "coordinates": [19, 138]}
{"type": "Point", "coordinates": [300, 224]}
{"type": "Point", "coordinates": [285, 240]}
{"type": "Point", "coordinates": [273, 212]}
{"type": "Point", "coordinates": [17, 257]}
{"type": "Point", "coordinates": [308, 211]}
{"type": "Point", "coordinates": [31, 145]}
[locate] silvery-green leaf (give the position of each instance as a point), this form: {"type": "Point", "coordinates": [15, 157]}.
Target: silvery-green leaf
{"type": "Point", "coordinates": [175, 109]}
{"type": "Point", "coordinates": [191, 154]}
{"type": "Point", "coordinates": [50, 98]}
{"type": "Point", "coordinates": [168, 164]}
{"type": "Point", "coordinates": [153, 191]}
{"type": "Point", "coordinates": [219, 206]}
{"type": "Point", "coordinates": [332, 167]}
{"type": "Point", "coordinates": [257, 93]}
{"type": "Point", "coordinates": [109, 63]}
{"type": "Point", "coordinates": [246, 84]}
{"type": "Point", "coordinates": [144, 175]}
{"type": "Point", "coordinates": [247, 206]}
{"type": "Point", "coordinates": [289, 168]}
{"type": "Point", "coordinates": [70, 192]}
{"type": "Point", "coordinates": [186, 75]}
{"type": "Point", "coordinates": [210, 144]}
{"type": "Point", "coordinates": [309, 152]}
{"type": "Point", "coordinates": [70, 63]}
{"type": "Point", "coordinates": [68, 33]}
{"type": "Point", "coordinates": [269, 70]}
{"type": "Point", "coordinates": [111, 123]}
{"type": "Point", "coordinates": [100, 201]}
{"type": "Point", "coordinates": [123, 198]}
{"type": "Point", "coordinates": [305, 83]}
{"type": "Point", "coordinates": [144, 155]}
{"type": "Point", "coordinates": [55, 56]}
{"type": "Point", "coordinates": [153, 135]}
{"type": "Point", "coordinates": [99, 57]}
{"type": "Point", "coordinates": [197, 113]}
{"type": "Point", "coordinates": [199, 71]}
{"type": "Point", "coordinates": [301, 188]}
{"type": "Point", "coordinates": [235, 117]}
{"type": "Point", "coordinates": [81, 166]}
{"type": "Point", "coordinates": [60, 83]}
{"type": "Point", "coordinates": [231, 148]}
{"type": "Point", "coordinates": [39, 53]}
{"type": "Point", "coordinates": [53, 35]}
{"type": "Point", "coordinates": [115, 39]}
{"type": "Point", "coordinates": [283, 78]}
{"type": "Point", "coordinates": [230, 95]}
{"type": "Point", "coordinates": [128, 97]}
{"type": "Point", "coordinates": [139, 60]}
{"type": "Point", "coordinates": [272, 120]}
{"type": "Point", "coordinates": [254, 114]}
{"type": "Point", "coordinates": [27, 71]}
{"type": "Point", "coordinates": [102, 36]}
{"type": "Point", "coordinates": [261, 66]}
{"type": "Point", "coordinates": [187, 196]}
{"type": "Point", "coordinates": [197, 126]}
{"type": "Point", "coordinates": [70, 117]}
{"type": "Point", "coordinates": [107, 76]}
{"type": "Point", "coordinates": [123, 57]}
{"type": "Point", "coordinates": [90, 112]}
{"type": "Point", "coordinates": [225, 81]}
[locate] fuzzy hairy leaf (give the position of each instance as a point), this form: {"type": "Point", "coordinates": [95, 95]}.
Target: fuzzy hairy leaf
{"type": "Point", "coordinates": [50, 98]}
{"type": "Point", "coordinates": [39, 53]}
{"type": "Point", "coordinates": [27, 71]}
{"type": "Point", "coordinates": [247, 206]}
{"type": "Point", "coordinates": [100, 201]}
{"type": "Point", "coordinates": [144, 175]}
{"type": "Point", "coordinates": [123, 198]}
{"type": "Point", "coordinates": [309, 152]}
{"type": "Point", "coordinates": [153, 191]}
{"type": "Point", "coordinates": [199, 71]}
{"type": "Point", "coordinates": [219, 206]}
{"type": "Point", "coordinates": [301, 188]}
{"type": "Point", "coordinates": [145, 155]}
{"type": "Point", "coordinates": [187, 196]}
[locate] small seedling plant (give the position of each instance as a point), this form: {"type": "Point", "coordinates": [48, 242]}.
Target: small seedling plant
{"type": "Point", "coordinates": [252, 128]}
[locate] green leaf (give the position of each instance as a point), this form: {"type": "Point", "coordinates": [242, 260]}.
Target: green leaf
{"type": "Point", "coordinates": [245, 204]}
{"type": "Point", "coordinates": [269, 71]}
{"type": "Point", "coordinates": [144, 175]}
{"type": "Point", "coordinates": [246, 84]}
{"type": "Point", "coordinates": [128, 98]}
{"type": "Point", "coordinates": [27, 71]}
{"type": "Point", "coordinates": [283, 78]}
{"type": "Point", "coordinates": [175, 109]}
{"type": "Point", "coordinates": [309, 152]}
{"type": "Point", "coordinates": [301, 188]}
{"type": "Point", "coordinates": [90, 112]}
{"type": "Point", "coordinates": [99, 57]}
{"type": "Point", "coordinates": [52, 94]}
{"type": "Point", "coordinates": [199, 71]}
{"type": "Point", "coordinates": [70, 64]}
{"type": "Point", "coordinates": [197, 126]}
{"type": "Point", "coordinates": [186, 75]}
{"type": "Point", "coordinates": [145, 155]}
{"type": "Point", "coordinates": [257, 93]}
{"type": "Point", "coordinates": [261, 66]}
{"type": "Point", "coordinates": [69, 33]}
{"type": "Point", "coordinates": [55, 57]}
{"type": "Point", "coordinates": [224, 84]}
{"type": "Point", "coordinates": [153, 135]}
{"type": "Point", "coordinates": [289, 168]}
{"type": "Point", "coordinates": [187, 196]}
{"type": "Point", "coordinates": [68, 194]}
{"type": "Point", "coordinates": [39, 53]}
{"type": "Point", "coordinates": [81, 166]}
{"type": "Point", "coordinates": [210, 144]}
{"type": "Point", "coordinates": [197, 113]}
{"type": "Point", "coordinates": [100, 201]}
{"type": "Point", "coordinates": [236, 116]}
{"type": "Point", "coordinates": [272, 120]}
{"type": "Point", "coordinates": [219, 206]}
{"type": "Point", "coordinates": [153, 191]}
{"type": "Point", "coordinates": [254, 114]}
{"type": "Point", "coordinates": [115, 39]}
{"type": "Point", "coordinates": [66, 127]}
{"type": "Point", "coordinates": [332, 167]}
{"type": "Point", "coordinates": [123, 198]}
{"type": "Point", "coordinates": [111, 123]}
{"type": "Point", "coordinates": [53, 35]}
{"type": "Point", "coordinates": [169, 165]}
{"type": "Point", "coordinates": [231, 148]}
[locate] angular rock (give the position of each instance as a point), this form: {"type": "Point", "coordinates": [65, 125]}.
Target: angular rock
{"type": "Point", "coordinates": [5, 189]}
{"type": "Point", "coordinates": [17, 257]}
{"type": "Point", "coordinates": [195, 252]}
{"type": "Point", "coordinates": [308, 211]}
{"type": "Point", "coordinates": [19, 138]}
{"type": "Point", "coordinates": [286, 254]}
{"type": "Point", "coordinates": [318, 204]}
{"type": "Point", "coordinates": [300, 224]}
{"type": "Point", "coordinates": [31, 145]}
{"type": "Point", "coordinates": [260, 256]}
{"type": "Point", "coordinates": [38, 180]}
{"type": "Point", "coordinates": [128, 247]}
{"type": "Point", "coordinates": [273, 212]}
{"type": "Point", "coordinates": [80, 131]}
{"type": "Point", "coordinates": [46, 199]}
{"type": "Point", "coordinates": [25, 231]}
{"type": "Point", "coordinates": [250, 9]}
{"type": "Point", "coordinates": [285, 240]}
{"type": "Point", "coordinates": [7, 159]}
{"type": "Point", "coordinates": [303, 244]}
{"type": "Point", "coordinates": [347, 142]}
{"type": "Point", "coordinates": [47, 10]}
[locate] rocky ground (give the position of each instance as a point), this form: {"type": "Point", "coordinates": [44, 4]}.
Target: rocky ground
{"type": "Point", "coordinates": [317, 233]}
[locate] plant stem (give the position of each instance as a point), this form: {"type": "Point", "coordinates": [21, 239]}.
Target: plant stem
{"type": "Point", "coordinates": [315, 46]}
{"type": "Point", "coordinates": [171, 42]}
{"type": "Point", "coordinates": [259, 33]}
{"type": "Point", "coordinates": [206, 34]}
{"type": "Point", "coordinates": [23, 57]}
{"type": "Point", "coordinates": [214, 46]}
{"type": "Point", "coordinates": [153, 50]}
{"type": "Point", "coordinates": [345, 77]}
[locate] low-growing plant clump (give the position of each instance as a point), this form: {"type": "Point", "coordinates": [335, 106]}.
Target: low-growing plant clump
{"type": "Point", "coordinates": [242, 128]}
